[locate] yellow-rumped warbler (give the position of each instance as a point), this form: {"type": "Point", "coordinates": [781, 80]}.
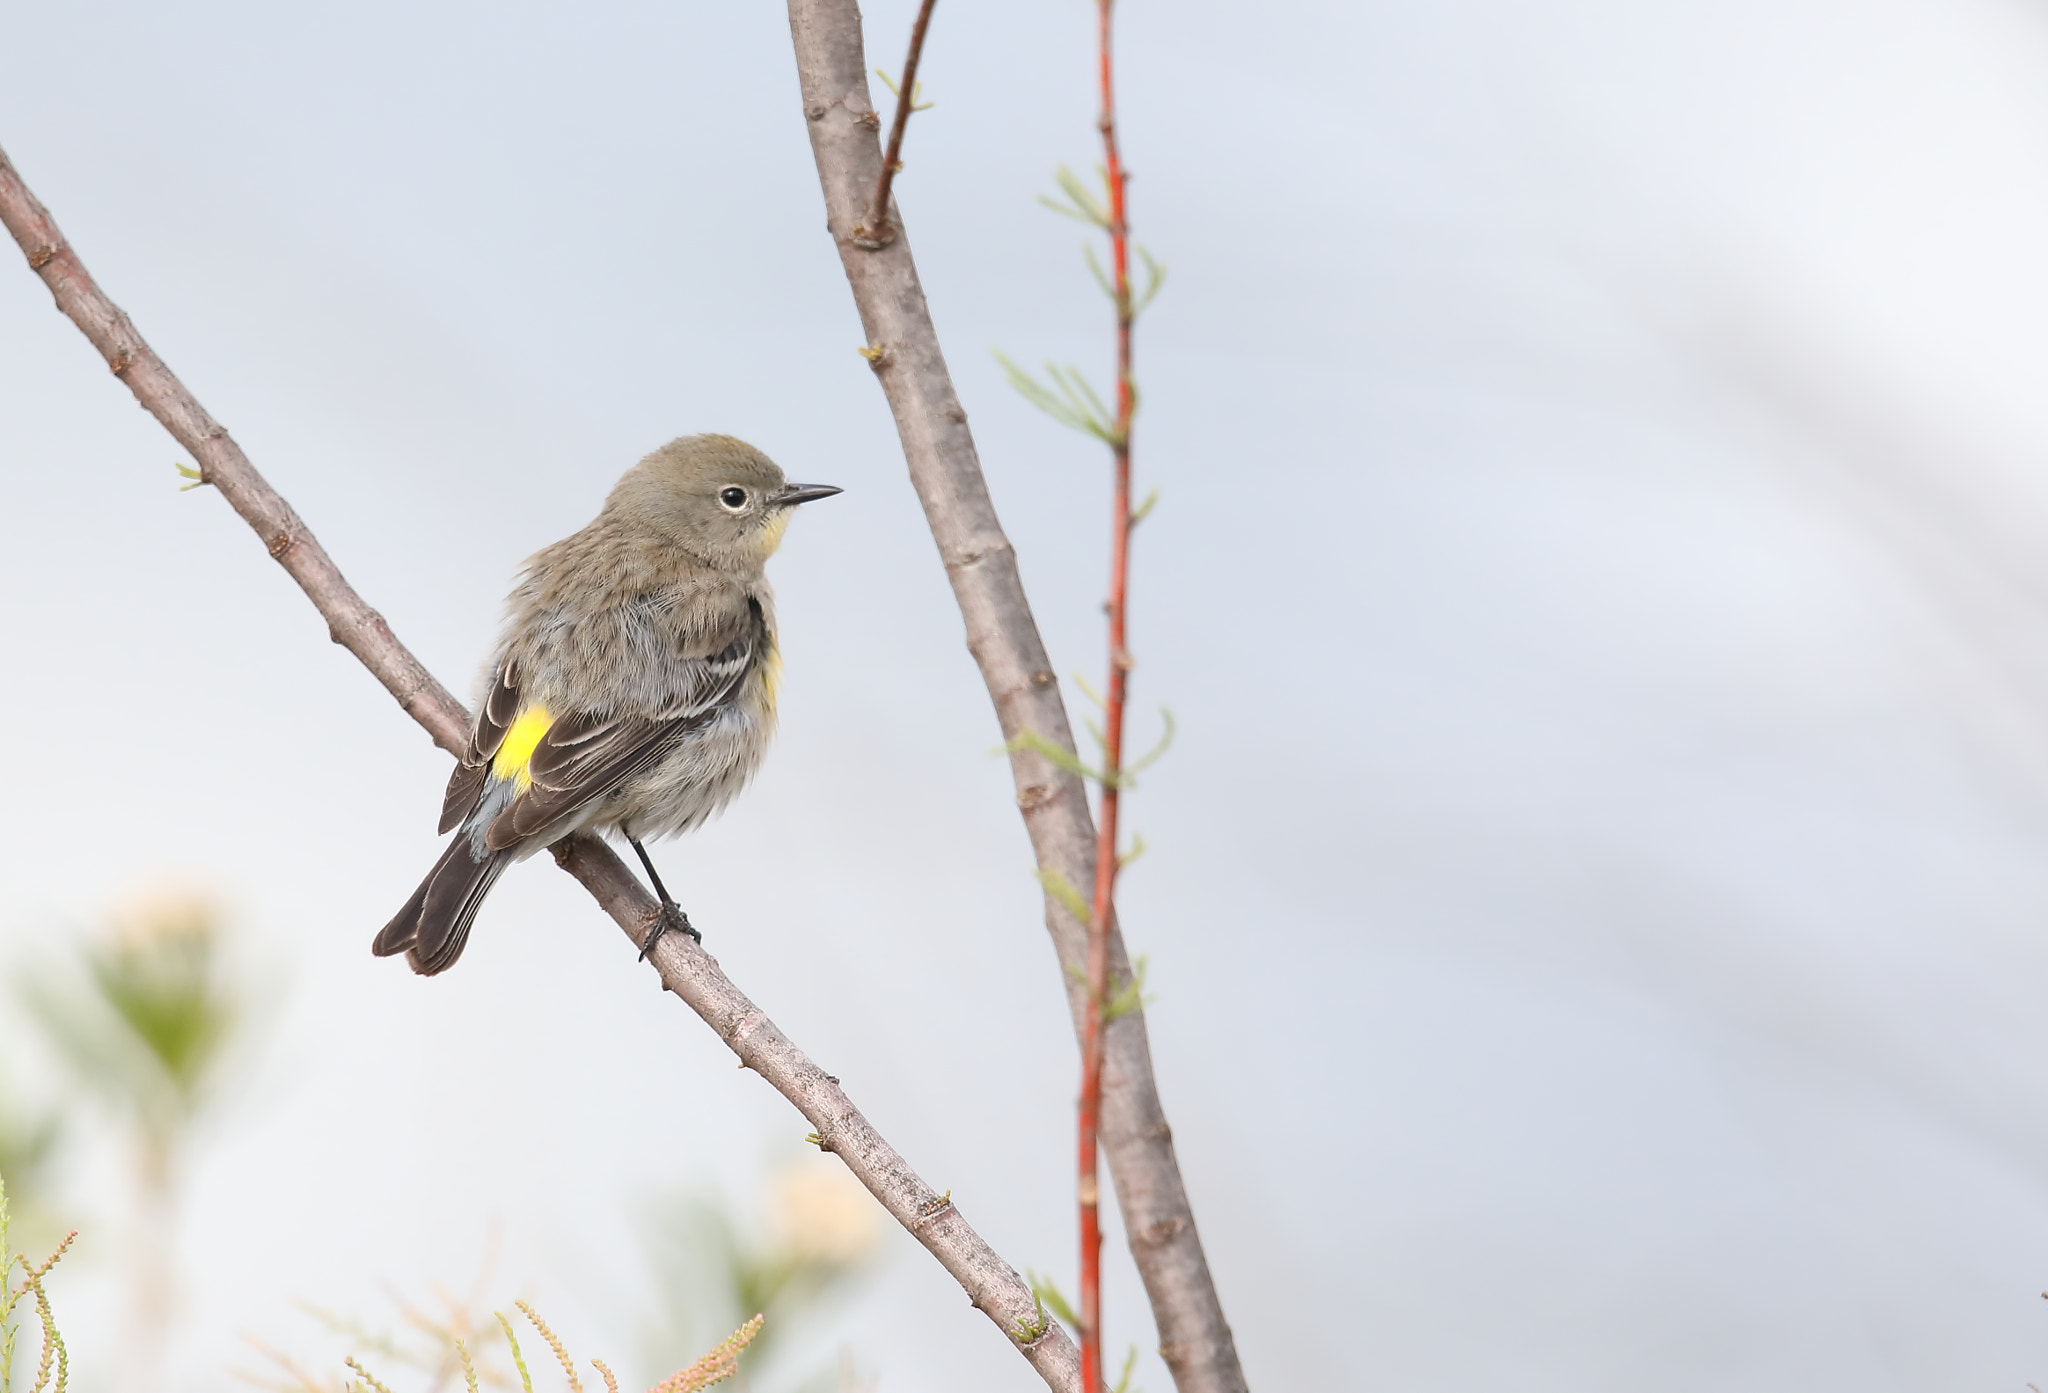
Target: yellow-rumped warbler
{"type": "Point", "coordinates": [633, 686]}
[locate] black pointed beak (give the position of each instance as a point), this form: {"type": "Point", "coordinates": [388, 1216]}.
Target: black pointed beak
{"type": "Point", "coordinates": [789, 495]}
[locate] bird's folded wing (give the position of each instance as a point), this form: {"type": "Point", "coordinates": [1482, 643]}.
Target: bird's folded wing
{"type": "Point", "coordinates": [580, 760]}
{"type": "Point", "coordinates": [466, 784]}
{"type": "Point", "coordinates": [585, 756]}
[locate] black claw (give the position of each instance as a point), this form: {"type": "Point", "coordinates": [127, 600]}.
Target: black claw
{"type": "Point", "coordinates": [671, 917]}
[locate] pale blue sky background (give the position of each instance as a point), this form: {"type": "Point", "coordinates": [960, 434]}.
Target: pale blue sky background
{"type": "Point", "coordinates": [1599, 900]}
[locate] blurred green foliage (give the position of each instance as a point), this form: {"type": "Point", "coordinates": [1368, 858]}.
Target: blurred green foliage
{"type": "Point", "coordinates": [143, 1019]}
{"type": "Point", "coordinates": [147, 1019]}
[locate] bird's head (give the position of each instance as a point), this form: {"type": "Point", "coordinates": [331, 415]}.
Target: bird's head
{"type": "Point", "coordinates": [718, 498]}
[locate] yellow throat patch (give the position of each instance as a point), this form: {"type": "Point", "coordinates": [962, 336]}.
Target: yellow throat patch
{"type": "Point", "coordinates": [770, 535]}
{"type": "Point", "coordinates": [515, 751]}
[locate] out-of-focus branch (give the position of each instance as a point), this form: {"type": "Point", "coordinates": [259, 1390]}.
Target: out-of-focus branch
{"type": "Point", "coordinates": [903, 348]}
{"type": "Point", "coordinates": [875, 230]}
{"type": "Point", "coordinates": [686, 969]}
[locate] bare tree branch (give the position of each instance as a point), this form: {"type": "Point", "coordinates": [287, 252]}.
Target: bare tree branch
{"type": "Point", "coordinates": [686, 969]}
{"type": "Point", "coordinates": [350, 622]}
{"type": "Point", "coordinates": [903, 349]}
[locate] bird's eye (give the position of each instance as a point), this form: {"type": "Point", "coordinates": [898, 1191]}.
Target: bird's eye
{"type": "Point", "coordinates": [735, 499]}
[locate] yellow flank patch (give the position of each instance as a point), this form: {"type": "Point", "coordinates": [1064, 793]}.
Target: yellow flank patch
{"type": "Point", "coordinates": [771, 678]}
{"type": "Point", "coordinates": [515, 751]}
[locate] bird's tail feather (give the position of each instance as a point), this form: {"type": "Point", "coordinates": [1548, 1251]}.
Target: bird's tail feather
{"type": "Point", "coordinates": [434, 925]}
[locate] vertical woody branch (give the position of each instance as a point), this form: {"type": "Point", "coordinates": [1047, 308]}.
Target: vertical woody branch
{"type": "Point", "coordinates": [991, 1284]}
{"type": "Point", "coordinates": [903, 349]}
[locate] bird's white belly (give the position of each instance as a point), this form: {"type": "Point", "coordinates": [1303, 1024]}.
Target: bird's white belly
{"type": "Point", "coordinates": [696, 779]}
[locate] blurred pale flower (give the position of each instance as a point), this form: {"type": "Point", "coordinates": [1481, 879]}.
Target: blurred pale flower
{"type": "Point", "coordinates": [821, 1214]}
{"type": "Point", "coordinates": [160, 909]}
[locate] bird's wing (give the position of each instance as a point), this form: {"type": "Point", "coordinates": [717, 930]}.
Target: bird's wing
{"type": "Point", "coordinates": [581, 757]}
{"type": "Point", "coordinates": [466, 784]}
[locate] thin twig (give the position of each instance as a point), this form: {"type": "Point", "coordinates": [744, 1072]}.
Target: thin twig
{"type": "Point", "coordinates": [876, 230]}
{"type": "Point", "coordinates": [903, 349]}
{"type": "Point", "coordinates": [686, 969]}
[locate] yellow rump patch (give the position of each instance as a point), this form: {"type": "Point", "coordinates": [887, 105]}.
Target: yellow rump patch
{"type": "Point", "coordinates": [515, 752]}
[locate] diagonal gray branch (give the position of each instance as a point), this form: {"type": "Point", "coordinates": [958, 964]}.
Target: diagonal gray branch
{"type": "Point", "coordinates": [686, 969]}
{"type": "Point", "coordinates": [903, 348]}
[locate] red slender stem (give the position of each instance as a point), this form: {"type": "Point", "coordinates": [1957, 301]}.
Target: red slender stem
{"type": "Point", "coordinates": [875, 231]}
{"type": "Point", "coordinates": [1103, 905]}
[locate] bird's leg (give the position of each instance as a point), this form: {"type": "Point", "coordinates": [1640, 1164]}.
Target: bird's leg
{"type": "Point", "coordinates": [671, 916]}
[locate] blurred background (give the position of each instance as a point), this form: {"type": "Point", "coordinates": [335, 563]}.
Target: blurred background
{"type": "Point", "coordinates": [1598, 901]}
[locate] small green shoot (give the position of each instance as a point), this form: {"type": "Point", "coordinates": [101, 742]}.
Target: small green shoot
{"type": "Point", "coordinates": [917, 102]}
{"type": "Point", "coordinates": [365, 1375]}
{"type": "Point", "coordinates": [716, 1367]}
{"type": "Point", "coordinates": [468, 1365]}
{"type": "Point", "coordinates": [518, 1359]}
{"type": "Point", "coordinates": [56, 1358]}
{"type": "Point", "coordinates": [1065, 759]}
{"type": "Point", "coordinates": [1130, 997]}
{"type": "Point", "coordinates": [555, 1344]}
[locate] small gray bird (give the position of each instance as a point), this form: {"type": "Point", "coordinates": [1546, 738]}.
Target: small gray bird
{"type": "Point", "coordinates": [633, 687]}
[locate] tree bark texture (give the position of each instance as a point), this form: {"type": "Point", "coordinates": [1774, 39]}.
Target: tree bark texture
{"type": "Point", "coordinates": [686, 969]}
{"type": "Point", "coordinates": [903, 349]}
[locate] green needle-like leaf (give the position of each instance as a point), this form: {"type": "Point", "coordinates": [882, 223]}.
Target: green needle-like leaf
{"type": "Point", "coordinates": [1057, 886]}
{"type": "Point", "coordinates": [1155, 277]}
{"type": "Point", "coordinates": [1069, 399]}
{"type": "Point", "coordinates": [1144, 509]}
{"type": "Point", "coordinates": [1082, 205]}
{"type": "Point", "coordinates": [1047, 1295]}
{"type": "Point", "coordinates": [1151, 756]}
